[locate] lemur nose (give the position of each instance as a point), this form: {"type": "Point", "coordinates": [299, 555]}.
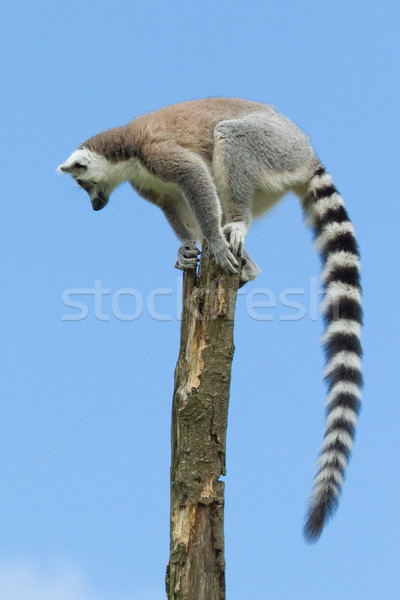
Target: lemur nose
{"type": "Point", "coordinates": [99, 202]}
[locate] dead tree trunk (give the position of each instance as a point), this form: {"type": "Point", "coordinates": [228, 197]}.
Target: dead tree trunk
{"type": "Point", "coordinates": [196, 568]}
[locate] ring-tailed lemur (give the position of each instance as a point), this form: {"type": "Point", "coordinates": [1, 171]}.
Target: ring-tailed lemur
{"type": "Point", "coordinates": [213, 165]}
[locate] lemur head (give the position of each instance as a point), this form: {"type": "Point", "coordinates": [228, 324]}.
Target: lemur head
{"type": "Point", "coordinates": [94, 173]}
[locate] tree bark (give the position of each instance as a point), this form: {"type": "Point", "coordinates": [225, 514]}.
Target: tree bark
{"type": "Point", "coordinates": [196, 568]}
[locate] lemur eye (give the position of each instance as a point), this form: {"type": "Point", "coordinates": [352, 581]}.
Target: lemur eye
{"type": "Point", "coordinates": [78, 165]}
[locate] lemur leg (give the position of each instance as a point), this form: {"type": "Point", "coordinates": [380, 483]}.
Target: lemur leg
{"type": "Point", "coordinates": [194, 179]}
{"type": "Point", "coordinates": [235, 174]}
{"type": "Point", "coordinates": [178, 165]}
{"type": "Point", "coordinates": [177, 214]}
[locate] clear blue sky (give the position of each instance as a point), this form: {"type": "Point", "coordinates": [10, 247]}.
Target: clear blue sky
{"type": "Point", "coordinates": [85, 409]}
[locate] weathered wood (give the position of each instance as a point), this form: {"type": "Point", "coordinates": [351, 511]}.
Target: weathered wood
{"type": "Point", "coordinates": [196, 568]}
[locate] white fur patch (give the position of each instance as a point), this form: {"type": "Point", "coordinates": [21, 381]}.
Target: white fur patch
{"type": "Point", "coordinates": [344, 413]}
{"type": "Point", "coordinates": [273, 186]}
{"type": "Point", "coordinates": [343, 326]}
{"type": "Point", "coordinates": [219, 174]}
{"type": "Point", "coordinates": [343, 387]}
{"type": "Point", "coordinates": [344, 358]}
{"type": "Point", "coordinates": [328, 473]}
{"type": "Point", "coordinates": [331, 456]}
{"type": "Point", "coordinates": [85, 157]}
{"type": "Point", "coordinates": [318, 209]}
{"type": "Point", "coordinates": [284, 181]}
{"type": "Point", "coordinates": [140, 176]}
{"type": "Point", "coordinates": [323, 205]}
{"type": "Point", "coordinates": [339, 435]}
{"type": "Point", "coordinates": [339, 259]}
{"type": "Point", "coordinates": [332, 231]}
{"type": "Point", "coordinates": [337, 291]}
{"type": "Point", "coordinates": [99, 169]}
{"type": "Point", "coordinates": [320, 181]}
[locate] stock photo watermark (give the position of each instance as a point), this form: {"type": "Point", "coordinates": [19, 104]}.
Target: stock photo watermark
{"type": "Point", "coordinates": [164, 304]}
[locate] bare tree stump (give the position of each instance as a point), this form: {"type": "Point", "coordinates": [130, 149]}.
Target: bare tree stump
{"type": "Point", "coordinates": [196, 568]}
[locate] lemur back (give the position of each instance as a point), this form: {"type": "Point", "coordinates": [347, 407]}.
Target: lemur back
{"type": "Point", "coordinates": [212, 166]}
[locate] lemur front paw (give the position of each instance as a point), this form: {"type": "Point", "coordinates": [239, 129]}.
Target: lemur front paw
{"type": "Point", "coordinates": [188, 256]}
{"type": "Point", "coordinates": [224, 257]}
{"type": "Point", "coordinates": [235, 233]}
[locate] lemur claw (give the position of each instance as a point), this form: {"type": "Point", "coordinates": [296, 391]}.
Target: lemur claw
{"type": "Point", "coordinates": [188, 256]}
{"type": "Point", "coordinates": [235, 234]}
{"type": "Point", "coordinates": [224, 257]}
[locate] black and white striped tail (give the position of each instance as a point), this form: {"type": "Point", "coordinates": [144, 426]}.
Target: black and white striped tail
{"type": "Point", "coordinates": [341, 306]}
